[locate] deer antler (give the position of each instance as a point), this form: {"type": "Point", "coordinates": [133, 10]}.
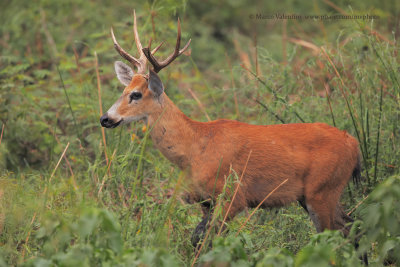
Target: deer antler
{"type": "Point", "coordinates": [157, 66]}
{"type": "Point", "coordinates": [141, 62]}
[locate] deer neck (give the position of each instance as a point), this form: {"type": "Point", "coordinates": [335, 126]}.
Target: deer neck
{"type": "Point", "coordinates": [172, 132]}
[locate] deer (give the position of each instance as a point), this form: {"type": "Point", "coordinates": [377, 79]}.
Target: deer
{"type": "Point", "coordinates": [316, 159]}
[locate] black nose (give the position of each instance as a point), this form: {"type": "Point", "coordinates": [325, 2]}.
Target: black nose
{"type": "Point", "coordinates": [105, 121]}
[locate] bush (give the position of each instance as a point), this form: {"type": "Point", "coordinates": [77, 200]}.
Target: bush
{"type": "Point", "coordinates": [381, 217]}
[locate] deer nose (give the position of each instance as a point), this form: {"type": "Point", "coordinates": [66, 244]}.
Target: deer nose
{"type": "Point", "coordinates": [105, 121]}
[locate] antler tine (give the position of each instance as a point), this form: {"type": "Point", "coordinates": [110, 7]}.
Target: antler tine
{"type": "Point", "coordinates": [142, 56]}
{"type": "Point", "coordinates": [142, 61]}
{"type": "Point", "coordinates": [157, 66]}
{"type": "Point", "coordinates": [156, 49]}
{"type": "Point", "coordinates": [178, 38]}
{"type": "Point", "coordinates": [122, 52]}
{"type": "Point", "coordinates": [185, 47]}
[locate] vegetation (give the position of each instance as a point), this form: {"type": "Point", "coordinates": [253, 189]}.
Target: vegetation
{"type": "Point", "coordinates": [74, 194]}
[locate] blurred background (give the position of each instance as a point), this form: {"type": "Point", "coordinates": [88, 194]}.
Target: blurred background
{"type": "Point", "coordinates": [60, 171]}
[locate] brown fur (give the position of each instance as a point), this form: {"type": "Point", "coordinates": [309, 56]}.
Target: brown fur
{"type": "Point", "coordinates": [318, 160]}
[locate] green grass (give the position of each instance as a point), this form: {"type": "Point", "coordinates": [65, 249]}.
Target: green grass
{"type": "Point", "coordinates": [122, 205]}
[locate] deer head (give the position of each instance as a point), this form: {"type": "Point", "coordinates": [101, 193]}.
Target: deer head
{"type": "Point", "coordinates": [143, 92]}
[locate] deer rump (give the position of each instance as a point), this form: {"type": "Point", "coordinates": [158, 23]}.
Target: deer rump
{"type": "Point", "coordinates": [318, 160]}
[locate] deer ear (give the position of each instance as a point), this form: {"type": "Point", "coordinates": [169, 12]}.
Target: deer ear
{"type": "Point", "coordinates": [124, 72]}
{"type": "Point", "coordinates": [155, 83]}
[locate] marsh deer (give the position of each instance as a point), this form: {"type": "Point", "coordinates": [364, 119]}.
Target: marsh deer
{"type": "Point", "coordinates": [316, 159]}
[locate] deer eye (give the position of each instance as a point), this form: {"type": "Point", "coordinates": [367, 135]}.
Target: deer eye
{"type": "Point", "coordinates": [135, 96]}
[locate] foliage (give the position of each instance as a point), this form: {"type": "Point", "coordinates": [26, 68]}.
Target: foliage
{"type": "Point", "coordinates": [381, 221]}
{"type": "Point", "coordinates": [95, 239]}
{"type": "Point", "coordinates": [225, 252]}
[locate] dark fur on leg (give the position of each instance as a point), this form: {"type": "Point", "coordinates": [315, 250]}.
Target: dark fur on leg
{"type": "Point", "coordinates": [302, 202]}
{"type": "Point", "coordinates": [201, 228]}
{"type": "Point", "coordinates": [199, 232]}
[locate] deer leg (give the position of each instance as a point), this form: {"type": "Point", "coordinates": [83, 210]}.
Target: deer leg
{"type": "Point", "coordinates": [207, 208]}
{"type": "Point", "coordinates": [200, 230]}
{"type": "Point", "coordinates": [320, 213]}
{"type": "Point", "coordinates": [342, 222]}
